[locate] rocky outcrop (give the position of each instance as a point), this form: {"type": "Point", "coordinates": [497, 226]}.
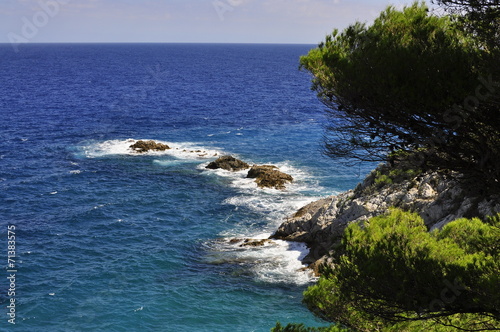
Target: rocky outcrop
{"type": "Point", "coordinates": [268, 176]}
{"type": "Point", "coordinates": [145, 146]}
{"type": "Point", "coordinates": [255, 243]}
{"type": "Point", "coordinates": [250, 242]}
{"type": "Point", "coordinates": [228, 163]}
{"type": "Point", "coordinates": [437, 197]}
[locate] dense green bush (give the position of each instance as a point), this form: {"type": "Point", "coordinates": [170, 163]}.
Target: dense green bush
{"type": "Point", "coordinates": [392, 270]}
{"type": "Point", "coordinates": [303, 328]}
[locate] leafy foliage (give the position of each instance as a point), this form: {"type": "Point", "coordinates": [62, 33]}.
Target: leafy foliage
{"type": "Point", "coordinates": [412, 82]}
{"type": "Point", "coordinates": [392, 270]}
{"type": "Point", "coordinates": [303, 328]}
{"type": "Point", "coordinates": [480, 17]}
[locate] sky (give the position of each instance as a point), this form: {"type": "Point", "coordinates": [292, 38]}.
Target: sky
{"type": "Point", "coordinates": [173, 21]}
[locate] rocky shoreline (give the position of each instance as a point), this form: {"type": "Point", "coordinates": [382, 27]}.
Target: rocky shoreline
{"type": "Point", "coordinates": [438, 197]}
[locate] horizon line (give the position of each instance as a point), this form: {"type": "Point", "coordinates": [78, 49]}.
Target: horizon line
{"type": "Point", "coordinates": [136, 42]}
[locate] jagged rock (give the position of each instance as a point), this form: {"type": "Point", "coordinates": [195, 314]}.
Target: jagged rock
{"type": "Point", "coordinates": [259, 170]}
{"type": "Point", "coordinates": [437, 197]}
{"type": "Point", "coordinates": [228, 163]}
{"type": "Point", "coordinates": [145, 146]}
{"type": "Point", "coordinates": [268, 176]}
{"type": "Point", "coordinates": [255, 243]}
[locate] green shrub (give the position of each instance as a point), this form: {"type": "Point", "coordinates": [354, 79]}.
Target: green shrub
{"type": "Point", "coordinates": [382, 180]}
{"type": "Point", "coordinates": [303, 328]}
{"type": "Point", "coordinates": [392, 270]}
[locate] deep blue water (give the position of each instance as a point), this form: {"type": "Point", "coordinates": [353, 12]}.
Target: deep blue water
{"type": "Point", "coordinates": [107, 240]}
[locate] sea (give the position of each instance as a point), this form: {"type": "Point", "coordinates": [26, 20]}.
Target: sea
{"type": "Point", "coordinates": [97, 237]}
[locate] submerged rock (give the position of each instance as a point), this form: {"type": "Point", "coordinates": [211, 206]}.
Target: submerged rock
{"type": "Point", "coordinates": [228, 163]}
{"type": "Point", "coordinates": [268, 176]}
{"type": "Point", "coordinates": [145, 146]}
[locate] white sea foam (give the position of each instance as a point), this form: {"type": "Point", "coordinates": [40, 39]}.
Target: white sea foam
{"type": "Point", "coordinates": [174, 162]}
{"type": "Point", "coordinates": [107, 148]}
{"type": "Point", "coordinates": [303, 181]}
{"type": "Point", "coordinates": [274, 205]}
{"type": "Point", "coordinates": [183, 150]}
{"type": "Point", "coordinates": [274, 208]}
{"type": "Point", "coordinates": [283, 264]}
{"type": "Point", "coordinates": [274, 262]}
{"type": "Point", "coordinates": [277, 261]}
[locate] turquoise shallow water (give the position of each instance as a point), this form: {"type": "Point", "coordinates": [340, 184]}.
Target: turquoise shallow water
{"type": "Point", "coordinates": [111, 241]}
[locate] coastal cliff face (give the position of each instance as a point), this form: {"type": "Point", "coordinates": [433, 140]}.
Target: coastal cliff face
{"type": "Point", "coordinates": [437, 197]}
